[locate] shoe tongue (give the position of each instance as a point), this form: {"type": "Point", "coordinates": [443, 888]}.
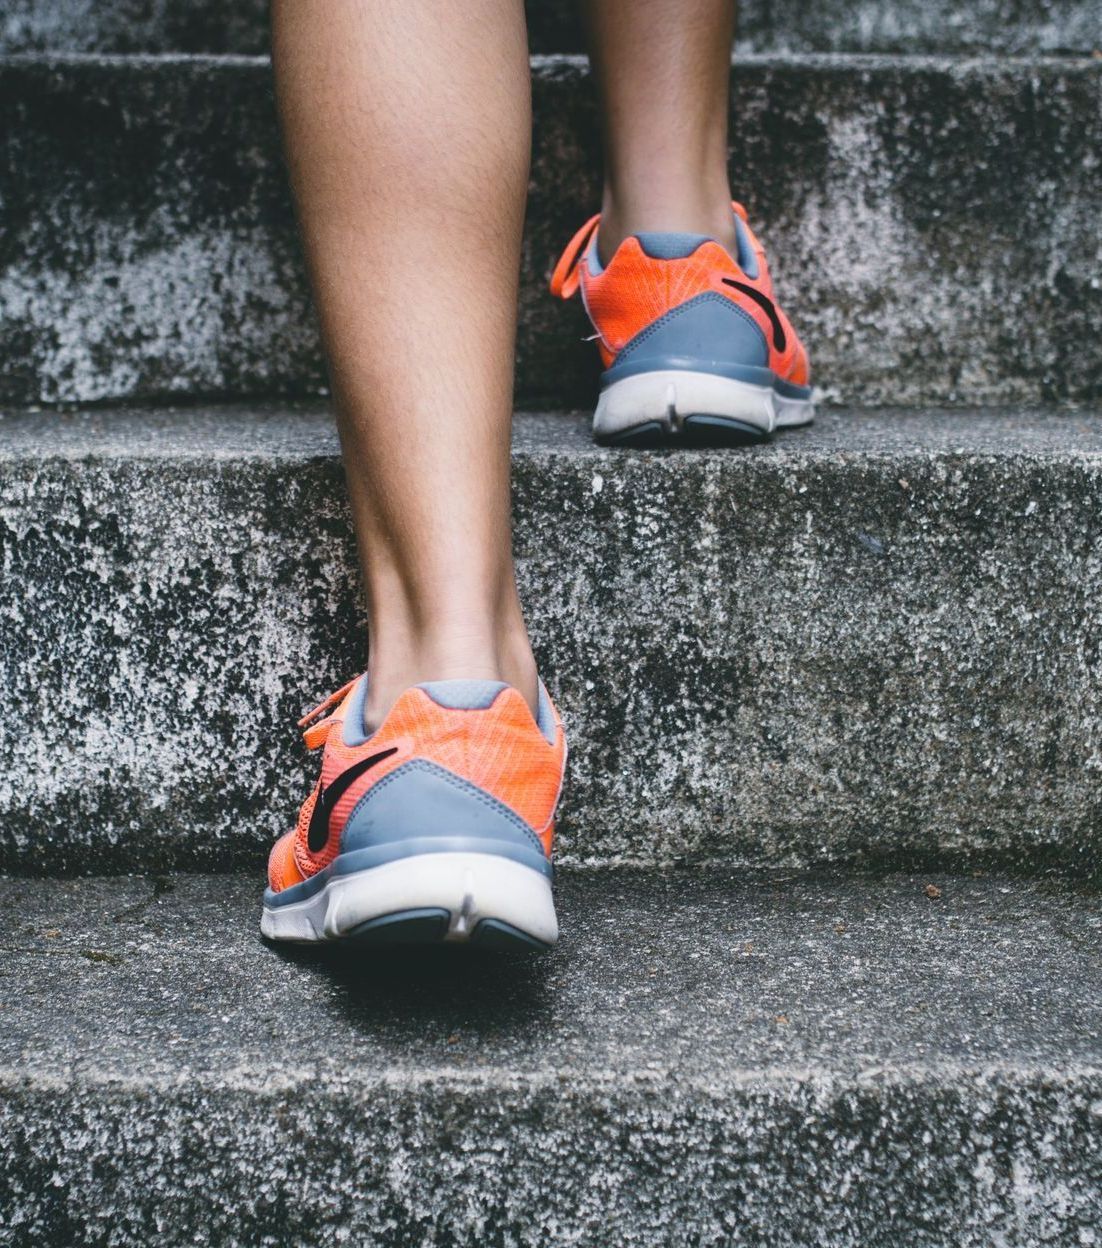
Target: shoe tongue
{"type": "Point", "coordinates": [671, 246]}
{"type": "Point", "coordinates": [463, 695]}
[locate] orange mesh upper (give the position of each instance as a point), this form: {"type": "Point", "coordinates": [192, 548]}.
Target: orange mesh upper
{"type": "Point", "coordinates": [500, 749]}
{"type": "Point", "coordinates": [634, 290]}
{"type": "Point", "coordinates": [283, 871]}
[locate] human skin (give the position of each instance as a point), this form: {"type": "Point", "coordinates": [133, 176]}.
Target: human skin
{"type": "Point", "coordinates": [407, 130]}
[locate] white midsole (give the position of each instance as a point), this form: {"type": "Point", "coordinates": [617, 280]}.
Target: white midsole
{"type": "Point", "coordinates": [471, 887]}
{"type": "Point", "coordinates": [668, 396]}
{"type": "Point", "coordinates": [792, 413]}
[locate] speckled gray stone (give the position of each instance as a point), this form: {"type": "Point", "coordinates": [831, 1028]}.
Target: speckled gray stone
{"type": "Point", "coordinates": [933, 223]}
{"type": "Point", "coordinates": [720, 1060]}
{"type": "Point", "coordinates": [875, 640]}
{"type": "Point", "coordinates": [1023, 27]}
{"type": "Point", "coordinates": [1018, 26]}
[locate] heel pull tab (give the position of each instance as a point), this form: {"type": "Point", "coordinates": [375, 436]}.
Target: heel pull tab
{"type": "Point", "coordinates": [316, 733]}
{"type": "Point", "coordinates": [565, 278]}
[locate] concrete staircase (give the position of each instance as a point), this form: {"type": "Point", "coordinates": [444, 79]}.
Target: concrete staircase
{"type": "Point", "coordinates": [831, 974]}
{"type": "Point", "coordinates": [937, 236]}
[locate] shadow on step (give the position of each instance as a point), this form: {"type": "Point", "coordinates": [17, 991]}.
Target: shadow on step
{"type": "Point", "coordinates": [484, 992]}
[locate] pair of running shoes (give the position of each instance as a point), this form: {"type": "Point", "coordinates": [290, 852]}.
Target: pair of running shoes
{"type": "Point", "coordinates": [439, 825]}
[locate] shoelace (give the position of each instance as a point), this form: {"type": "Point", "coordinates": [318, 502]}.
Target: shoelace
{"type": "Point", "coordinates": [315, 734]}
{"type": "Point", "coordinates": [565, 278]}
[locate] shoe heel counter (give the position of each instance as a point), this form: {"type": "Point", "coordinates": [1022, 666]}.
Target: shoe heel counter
{"type": "Point", "coordinates": [427, 808]}
{"type": "Point", "coordinates": [708, 333]}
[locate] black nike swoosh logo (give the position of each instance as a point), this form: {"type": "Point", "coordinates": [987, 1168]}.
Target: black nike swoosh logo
{"type": "Point", "coordinates": [318, 832]}
{"type": "Point", "coordinates": [767, 306]}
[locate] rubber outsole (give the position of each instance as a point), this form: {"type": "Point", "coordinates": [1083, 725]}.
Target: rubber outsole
{"type": "Point", "coordinates": [427, 898]}
{"type": "Point", "coordinates": [430, 926]}
{"type": "Point", "coordinates": [699, 429]}
{"type": "Point", "coordinates": [426, 926]}
{"type": "Point", "coordinates": [496, 934]}
{"type": "Point", "coordinates": [686, 407]}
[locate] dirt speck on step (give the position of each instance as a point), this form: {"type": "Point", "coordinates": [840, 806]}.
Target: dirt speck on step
{"type": "Point", "coordinates": [101, 955]}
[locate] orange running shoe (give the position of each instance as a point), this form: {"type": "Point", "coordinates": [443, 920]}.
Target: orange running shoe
{"type": "Point", "coordinates": [693, 342]}
{"type": "Point", "coordinates": [437, 827]}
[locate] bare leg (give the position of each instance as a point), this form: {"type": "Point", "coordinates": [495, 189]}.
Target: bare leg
{"type": "Point", "coordinates": [407, 130]}
{"type": "Point", "coordinates": [662, 70]}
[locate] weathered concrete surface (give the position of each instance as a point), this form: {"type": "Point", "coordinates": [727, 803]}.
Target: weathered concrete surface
{"type": "Point", "coordinates": [880, 639]}
{"type": "Point", "coordinates": [934, 226]}
{"type": "Point", "coordinates": [124, 27]}
{"type": "Point", "coordinates": [1016, 26]}
{"type": "Point", "coordinates": [706, 1060]}
{"type": "Point", "coordinates": [149, 245]}
{"type": "Point", "coordinates": [1023, 27]}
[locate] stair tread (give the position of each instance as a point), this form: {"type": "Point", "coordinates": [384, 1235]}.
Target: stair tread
{"type": "Point", "coordinates": [704, 975]}
{"type": "Point", "coordinates": [282, 430]}
{"type": "Point", "coordinates": [974, 60]}
{"type": "Point", "coordinates": [713, 1059]}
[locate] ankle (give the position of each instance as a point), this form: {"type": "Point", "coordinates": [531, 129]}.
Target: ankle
{"type": "Point", "coordinates": [624, 216]}
{"type": "Point", "coordinates": [459, 653]}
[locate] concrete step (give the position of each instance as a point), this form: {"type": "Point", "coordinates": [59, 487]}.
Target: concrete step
{"type": "Point", "coordinates": [1015, 26]}
{"type": "Point", "coordinates": [875, 641]}
{"type": "Point", "coordinates": [933, 224]}
{"type": "Point", "coordinates": [705, 1060]}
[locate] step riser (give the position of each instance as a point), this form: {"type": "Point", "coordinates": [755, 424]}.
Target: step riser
{"type": "Point", "coordinates": [762, 658]}
{"type": "Point", "coordinates": [924, 256]}
{"type": "Point", "coordinates": [743, 1167]}
{"type": "Point", "coordinates": [1030, 26]}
